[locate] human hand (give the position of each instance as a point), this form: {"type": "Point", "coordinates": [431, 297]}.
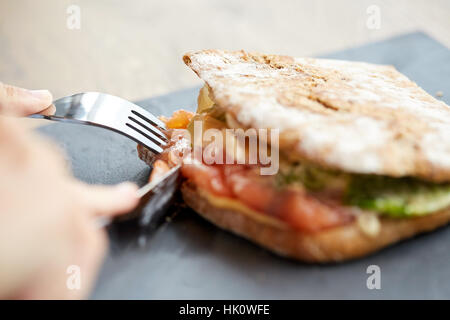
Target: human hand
{"type": "Point", "coordinates": [22, 102]}
{"type": "Point", "coordinates": [47, 218]}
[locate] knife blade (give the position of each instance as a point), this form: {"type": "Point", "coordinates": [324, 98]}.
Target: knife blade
{"type": "Point", "coordinates": [155, 198]}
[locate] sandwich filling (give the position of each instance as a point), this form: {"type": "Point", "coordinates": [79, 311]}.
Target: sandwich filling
{"type": "Point", "coordinates": [303, 195]}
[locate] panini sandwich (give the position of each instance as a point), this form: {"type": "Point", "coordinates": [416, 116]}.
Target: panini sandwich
{"type": "Point", "coordinates": [364, 154]}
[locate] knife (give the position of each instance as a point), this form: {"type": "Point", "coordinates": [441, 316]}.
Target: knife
{"type": "Point", "coordinates": [155, 197]}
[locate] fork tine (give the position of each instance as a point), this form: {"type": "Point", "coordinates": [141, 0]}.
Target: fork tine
{"type": "Point", "coordinates": [149, 130]}
{"type": "Point", "coordinates": [140, 137]}
{"type": "Point", "coordinates": [147, 116]}
{"type": "Point", "coordinates": [147, 125]}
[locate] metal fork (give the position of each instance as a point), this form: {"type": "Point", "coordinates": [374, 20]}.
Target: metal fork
{"type": "Point", "coordinates": [113, 113]}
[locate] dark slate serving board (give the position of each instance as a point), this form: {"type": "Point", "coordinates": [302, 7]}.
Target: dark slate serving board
{"type": "Point", "coordinates": [189, 258]}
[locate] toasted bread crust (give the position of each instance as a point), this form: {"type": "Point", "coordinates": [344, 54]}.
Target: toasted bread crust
{"type": "Point", "coordinates": [334, 245]}
{"type": "Point", "coordinates": [351, 116]}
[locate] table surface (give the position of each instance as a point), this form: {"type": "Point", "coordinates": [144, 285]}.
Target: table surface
{"type": "Point", "coordinates": [188, 258]}
{"type": "Point", "coordinates": [133, 48]}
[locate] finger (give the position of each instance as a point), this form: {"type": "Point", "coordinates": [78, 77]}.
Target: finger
{"type": "Point", "coordinates": [23, 102]}
{"type": "Point", "coordinates": [110, 201]}
{"type": "Point", "coordinates": [48, 111]}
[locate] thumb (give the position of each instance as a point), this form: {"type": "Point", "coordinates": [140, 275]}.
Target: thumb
{"type": "Point", "coordinates": [23, 102]}
{"type": "Point", "coordinates": [110, 200]}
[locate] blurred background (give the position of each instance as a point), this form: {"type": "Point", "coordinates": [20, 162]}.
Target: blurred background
{"type": "Point", "coordinates": [133, 48]}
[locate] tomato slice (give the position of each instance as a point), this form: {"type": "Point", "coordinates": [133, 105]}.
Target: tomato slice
{"type": "Point", "coordinates": [296, 207]}
{"type": "Point", "coordinates": [206, 177]}
{"type": "Point", "coordinates": [255, 192]}
{"type": "Point", "coordinates": [304, 212]}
